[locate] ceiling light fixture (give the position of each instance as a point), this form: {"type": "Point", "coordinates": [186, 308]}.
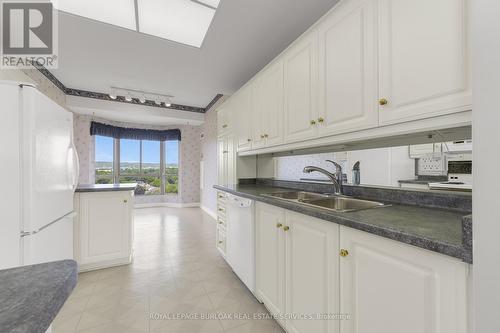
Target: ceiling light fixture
{"type": "Point", "coordinates": [141, 95]}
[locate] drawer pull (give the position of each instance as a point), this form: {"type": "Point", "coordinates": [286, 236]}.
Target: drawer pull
{"type": "Point", "coordinates": [279, 225]}
{"type": "Point", "coordinates": [286, 228]}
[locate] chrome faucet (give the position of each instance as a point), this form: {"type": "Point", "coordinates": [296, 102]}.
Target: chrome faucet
{"type": "Point", "coordinates": [338, 174]}
{"type": "Point", "coordinates": [336, 180]}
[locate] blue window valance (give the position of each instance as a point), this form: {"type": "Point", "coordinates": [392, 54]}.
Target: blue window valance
{"type": "Point", "coordinates": [134, 133]}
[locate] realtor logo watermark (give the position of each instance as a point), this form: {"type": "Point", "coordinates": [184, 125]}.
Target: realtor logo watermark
{"type": "Point", "coordinates": [29, 34]}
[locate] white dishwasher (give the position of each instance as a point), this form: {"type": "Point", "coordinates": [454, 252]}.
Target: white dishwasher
{"type": "Point", "coordinates": [240, 239]}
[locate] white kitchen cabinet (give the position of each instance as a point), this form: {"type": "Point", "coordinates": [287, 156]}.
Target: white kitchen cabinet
{"type": "Point", "coordinates": [226, 165]}
{"type": "Point", "coordinates": [391, 287]}
{"type": "Point", "coordinates": [300, 89]}
{"type": "Point", "coordinates": [270, 258]}
{"type": "Point", "coordinates": [311, 273]}
{"type": "Point", "coordinates": [225, 118]}
{"type": "Point", "coordinates": [244, 123]}
{"type": "Point", "coordinates": [348, 68]}
{"type": "Point", "coordinates": [423, 59]}
{"type": "Point", "coordinates": [103, 229]}
{"type": "Point", "coordinates": [288, 280]}
{"type": "Point", "coordinates": [267, 103]}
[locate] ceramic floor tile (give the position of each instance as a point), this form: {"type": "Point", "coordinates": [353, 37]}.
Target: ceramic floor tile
{"type": "Point", "coordinates": [176, 270]}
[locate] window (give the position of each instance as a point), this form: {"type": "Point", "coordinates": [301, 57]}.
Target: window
{"type": "Point", "coordinates": [154, 165]}
{"type": "Point", "coordinates": [171, 166]}
{"type": "Point", "coordinates": [104, 153]}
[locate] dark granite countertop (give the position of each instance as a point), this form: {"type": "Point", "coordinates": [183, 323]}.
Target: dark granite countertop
{"type": "Point", "coordinates": [439, 230]}
{"type": "Point", "coordinates": [31, 296]}
{"type": "Point", "coordinates": [106, 187]}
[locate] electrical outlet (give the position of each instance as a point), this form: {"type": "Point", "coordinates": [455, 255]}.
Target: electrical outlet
{"type": "Point", "coordinates": [432, 165]}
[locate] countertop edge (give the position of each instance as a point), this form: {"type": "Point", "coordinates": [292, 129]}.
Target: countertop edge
{"type": "Point", "coordinates": [38, 318]}
{"type": "Point", "coordinates": [100, 188]}
{"type": "Point", "coordinates": [460, 252]}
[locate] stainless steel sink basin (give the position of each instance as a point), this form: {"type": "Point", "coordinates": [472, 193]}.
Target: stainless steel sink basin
{"type": "Point", "coordinates": [335, 203]}
{"type": "Point", "coordinates": [297, 195]}
{"type": "Point", "coordinates": [344, 204]}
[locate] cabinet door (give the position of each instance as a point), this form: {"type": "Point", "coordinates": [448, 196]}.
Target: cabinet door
{"type": "Point", "coordinates": [258, 118]}
{"type": "Point", "coordinates": [311, 273]}
{"type": "Point", "coordinates": [391, 287]}
{"type": "Point", "coordinates": [231, 177]}
{"type": "Point", "coordinates": [347, 68]}
{"type": "Point", "coordinates": [423, 59]}
{"type": "Point", "coordinates": [300, 89]}
{"type": "Point", "coordinates": [222, 160]}
{"type": "Point", "coordinates": [104, 227]}
{"type": "Point", "coordinates": [243, 109]}
{"type": "Point", "coordinates": [268, 100]}
{"type": "Point", "coordinates": [223, 118]}
{"type": "Point", "coordinates": [270, 257]}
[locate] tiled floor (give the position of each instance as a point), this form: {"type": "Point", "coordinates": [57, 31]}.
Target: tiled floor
{"type": "Point", "coordinates": [176, 271]}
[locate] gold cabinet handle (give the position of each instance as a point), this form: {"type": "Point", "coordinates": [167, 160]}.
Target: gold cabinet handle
{"type": "Point", "coordinates": [344, 253]}
{"type": "Point", "coordinates": [224, 126]}
{"type": "Point", "coordinates": [262, 136]}
{"type": "Point", "coordinates": [220, 242]}
{"type": "Point", "coordinates": [221, 222]}
{"type": "Point", "coordinates": [221, 209]}
{"type": "Point", "coordinates": [321, 120]}
{"type": "Point", "coordinates": [249, 140]}
{"type": "Point", "coordinates": [279, 225]}
{"type": "Point", "coordinates": [125, 200]}
{"type": "Point", "coordinates": [266, 136]}
{"type": "Point", "coordinates": [286, 228]}
{"type": "Point", "coordinates": [313, 122]}
{"type": "Point", "coordinates": [383, 101]}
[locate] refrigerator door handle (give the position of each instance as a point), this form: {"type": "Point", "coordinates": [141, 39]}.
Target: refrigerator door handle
{"type": "Point", "coordinates": [76, 166]}
{"type": "Point", "coordinates": [29, 233]}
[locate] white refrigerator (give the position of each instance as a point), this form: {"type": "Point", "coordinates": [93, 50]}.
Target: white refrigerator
{"type": "Point", "coordinates": [39, 167]}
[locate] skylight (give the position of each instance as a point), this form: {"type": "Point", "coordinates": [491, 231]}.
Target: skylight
{"type": "Point", "coordinates": [182, 21]}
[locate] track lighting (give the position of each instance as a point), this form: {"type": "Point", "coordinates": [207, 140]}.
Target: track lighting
{"type": "Point", "coordinates": [141, 96]}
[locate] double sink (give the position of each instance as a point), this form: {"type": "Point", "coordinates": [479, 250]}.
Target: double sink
{"type": "Point", "coordinates": [331, 202]}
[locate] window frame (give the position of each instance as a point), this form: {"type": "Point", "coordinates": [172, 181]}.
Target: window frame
{"type": "Point", "coordinates": [163, 174]}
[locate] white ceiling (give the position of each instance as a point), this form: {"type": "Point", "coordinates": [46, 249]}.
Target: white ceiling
{"type": "Point", "coordinates": [244, 36]}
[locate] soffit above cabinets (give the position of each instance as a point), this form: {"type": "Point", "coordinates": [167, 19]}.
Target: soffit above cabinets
{"type": "Point", "coordinates": [181, 21]}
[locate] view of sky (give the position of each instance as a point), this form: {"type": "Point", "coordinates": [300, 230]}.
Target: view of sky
{"type": "Point", "coordinates": [130, 151]}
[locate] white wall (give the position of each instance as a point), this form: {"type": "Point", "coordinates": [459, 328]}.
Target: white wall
{"type": "Point", "coordinates": [381, 167]}
{"type": "Point", "coordinates": [486, 122]}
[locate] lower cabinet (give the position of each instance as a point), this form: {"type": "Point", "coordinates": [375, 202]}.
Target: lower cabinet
{"type": "Point", "coordinates": [311, 276]}
{"type": "Point", "coordinates": [103, 229]}
{"type": "Point", "coordinates": [297, 269]}
{"type": "Point", "coordinates": [391, 287]}
{"type": "Point", "coordinates": [270, 258]}
{"type": "Point", "coordinates": [308, 267]}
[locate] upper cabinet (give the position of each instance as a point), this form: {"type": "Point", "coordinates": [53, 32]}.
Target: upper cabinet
{"type": "Point", "coordinates": [423, 59]}
{"type": "Point", "coordinates": [243, 112]}
{"type": "Point", "coordinates": [366, 70]}
{"type": "Point", "coordinates": [268, 106]}
{"type": "Point", "coordinates": [348, 68]}
{"type": "Point", "coordinates": [300, 89]}
{"type": "Point", "coordinates": [224, 118]}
